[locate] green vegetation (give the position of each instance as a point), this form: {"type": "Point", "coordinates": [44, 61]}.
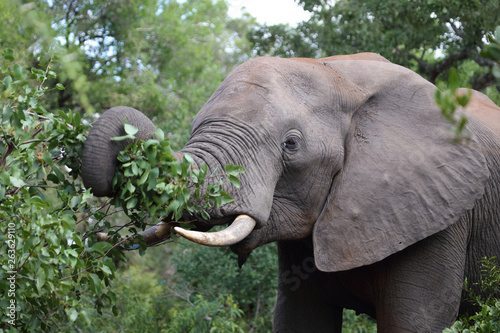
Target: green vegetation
{"type": "Point", "coordinates": [492, 51]}
{"type": "Point", "coordinates": [151, 183]}
{"type": "Point", "coordinates": [46, 265]}
{"type": "Point", "coordinates": [55, 275]}
{"type": "Point", "coordinates": [450, 99]}
{"type": "Point", "coordinates": [482, 295]}
{"type": "Point", "coordinates": [62, 62]}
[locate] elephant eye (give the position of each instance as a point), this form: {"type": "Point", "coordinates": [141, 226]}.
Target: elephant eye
{"type": "Point", "coordinates": [291, 143]}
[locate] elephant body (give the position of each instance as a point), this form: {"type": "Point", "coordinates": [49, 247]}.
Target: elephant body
{"type": "Point", "coordinates": [351, 168]}
{"type": "Point", "coordinates": [416, 290]}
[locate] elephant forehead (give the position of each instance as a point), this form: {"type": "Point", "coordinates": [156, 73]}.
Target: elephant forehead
{"type": "Point", "coordinates": [249, 102]}
{"type": "Point", "coordinates": [266, 88]}
{"type": "Point", "coordinates": [303, 81]}
{"type": "Point", "coordinates": [311, 83]}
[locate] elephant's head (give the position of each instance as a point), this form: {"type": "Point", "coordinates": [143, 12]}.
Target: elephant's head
{"type": "Point", "coordinates": [349, 150]}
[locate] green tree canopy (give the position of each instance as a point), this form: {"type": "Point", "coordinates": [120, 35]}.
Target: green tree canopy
{"type": "Point", "coordinates": [430, 36]}
{"type": "Point", "coordinates": [164, 57]}
{"type": "Point", "coordinates": [60, 61]}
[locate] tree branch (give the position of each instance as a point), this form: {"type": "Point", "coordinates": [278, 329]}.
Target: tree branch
{"type": "Point", "coordinates": [434, 70]}
{"type": "Point", "coordinates": [8, 151]}
{"type": "Point", "coordinates": [447, 63]}
{"type": "Point", "coordinates": [483, 81]}
{"type": "Point", "coordinates": [483, 61]}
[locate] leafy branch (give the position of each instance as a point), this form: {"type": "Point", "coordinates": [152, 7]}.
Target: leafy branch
{"type": "Point", "coordinates": [487, 319]}
{"type": "Point", "coordinates": [451, 100]}
{"type": "Point", "coordinates": [151, 183]}
{"type": "Point", "coordinates": [41, 199]}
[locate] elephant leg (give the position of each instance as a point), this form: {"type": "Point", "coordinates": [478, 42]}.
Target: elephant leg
{"type": "Point", "coordinates": [424, 283]}
{"type": "Point", "coordinates": [301, 305]}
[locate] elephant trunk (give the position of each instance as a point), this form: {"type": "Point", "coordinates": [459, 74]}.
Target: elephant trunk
{"type": "Point", "coordinates": [100, 153]}
{"type": "Point", "coordinates": [151, 236]}
{"type": "Point", "coordinates": [99, 161]}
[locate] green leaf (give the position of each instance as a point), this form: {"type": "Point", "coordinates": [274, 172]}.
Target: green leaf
{"type": "Point", "coordinates": [53, 178]}
{"type": "Point", "coordinates": [492, 51]}
{"type": "Point", "coordinates": [172, 207]}
{"type": "Point", "coordinates": [176, 168]}
{"type": "Point", "coordinates": [188, 159]}
{"type": "Point", "coordinates": [122, 138]}
{"type": "Point", "coordinates": [144, 176]}
{"type": "Point", "coordinates": [6, 82]}
{"type": "Point", "coordinates": [153, 178]}
{"type": "Point", "coordinates": [95, 283]}
{"type": "Point", "coordinates": [151, 151]}
{"type": "Point", "coordinates": [72, 314]}
{"type": "Point", "coordinates": [58, 173]}
{"type": "Point", "coordinates": [47, 158]}
{"type": "Point", "coordinates": [233, 180]}
{"type": "Point", "coordinates": [225, 198]}
{"type": "Point", "coordinates": [150, 142]}
{"type": "Point", "coordinates": [130, 187]}
{"type": "Point", "coordinates": [134, 168]}
{"type": "Point", "coordinates": [38, 202]}
{"type": "Point", "coordinates": [19, 72]}
{"type": "Point", "coordinates": [101, 247]}
{"type": "Point", "coordinates": [453, 80]}
{"type": "Point", "coordinates": [234, 169]}
{"type": "Point", "coordinates": [6, 112]}
{"type": "Point", "coordinates": [106, 270]}
{"type": "Point", "coordinates": [205, 215]}
{"type": "Point", "coordinates": [59, 86]}
{"type": "Point", "coordinates": [5, 178]}
{"type": "Point", "coordinates": [496, 72]}
{"type": "Point", "coordinates": [464, 99]}
{"type": "Point", "coordinates": [8, 54]}
{"type": "Point", "coordinates": [160, 136]}
{"type": "Point", "coordinates": [71, 253]}
{"type": "Point", "coordinates": [40, 279]}
{"type": "Point", "coordinates": [68, 222]}
{"type": "Point", "coordinates": [75, 201]}
{"type": "Point", "coordinates": [132, 203]}
{"type": "Point", "coordinates": [130, 129]}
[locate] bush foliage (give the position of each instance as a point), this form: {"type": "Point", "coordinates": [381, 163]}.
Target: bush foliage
{"type": "Point", "coordinates": [46, 266]}
{"type": "Point", "coordinates": [55, 275]}
{"type": "Point", "coordinates": [51, 259]}
{"type": "Point", "coordinates": [484, 296]}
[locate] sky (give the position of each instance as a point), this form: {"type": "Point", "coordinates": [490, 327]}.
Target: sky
{"type": "Point", "coordinates": [270, 11]}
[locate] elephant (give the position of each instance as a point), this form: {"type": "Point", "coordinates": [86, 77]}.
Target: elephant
{"type": "Point", "coordinates": [353, 171]}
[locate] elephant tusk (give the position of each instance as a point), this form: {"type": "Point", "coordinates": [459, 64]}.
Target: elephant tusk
{"type": "Point", "coordinates": [153, 235]}
{"type": "Point", "coordinates": [236, 232]}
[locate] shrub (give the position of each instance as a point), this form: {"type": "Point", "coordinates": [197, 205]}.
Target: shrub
{"type": "Point", "coordinates": [487, 319]}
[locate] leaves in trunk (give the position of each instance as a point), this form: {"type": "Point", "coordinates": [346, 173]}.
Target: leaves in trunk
{"type": "Point", "coordinates": [151, 183]}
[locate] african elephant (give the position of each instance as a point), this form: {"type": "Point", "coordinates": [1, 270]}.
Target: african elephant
{"type": "Point", "coordinates": [351, 168]}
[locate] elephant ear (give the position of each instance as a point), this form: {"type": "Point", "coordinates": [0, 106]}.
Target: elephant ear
{"type": "Point", "coordinates": [403, 177]}
{"type": "Point", "coordinates": [100, 152]}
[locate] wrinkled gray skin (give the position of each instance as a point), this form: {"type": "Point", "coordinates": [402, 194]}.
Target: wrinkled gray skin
{"type": "Point", "coordinates": [351, 168]}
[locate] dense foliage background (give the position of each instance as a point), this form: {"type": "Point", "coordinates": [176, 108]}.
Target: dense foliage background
{"type": "Point", "coordinates": [63, 62]}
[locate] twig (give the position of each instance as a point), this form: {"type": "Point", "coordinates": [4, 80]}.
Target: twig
{"type": "Point", "coordinates": [73, 275]}
{"type": "Point", "coordinates": [31, 141]}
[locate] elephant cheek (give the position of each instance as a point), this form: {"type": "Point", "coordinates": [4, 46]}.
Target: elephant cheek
{"type": "Point", "coordinates": [252, 241]}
